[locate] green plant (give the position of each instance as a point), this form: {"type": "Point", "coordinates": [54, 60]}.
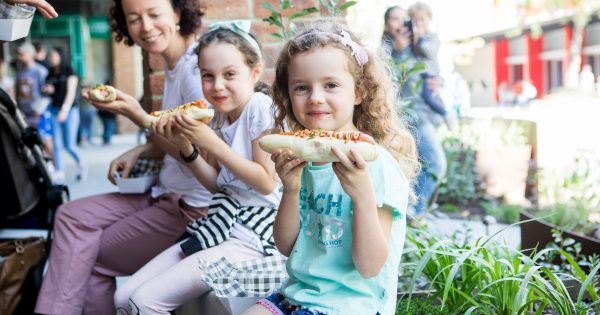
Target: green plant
{"type": "Point", "coordinates": [276, 18]}
{"type": "Point", "coordinates": [486, 277]}
{"type": "Point", "coordinates": [462, 184]}
{"type": "Point", "coordinates": [286, 25]}
{"type": "Point", "coordinates": [418, 307]}
{"type": "Point", "coordinates": [503, 212]}
{"type": "Point", "coordinates": [332, 6]}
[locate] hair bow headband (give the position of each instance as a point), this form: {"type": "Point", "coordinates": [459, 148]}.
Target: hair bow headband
{"type": "Point", "coordinates": [240, 28]}
{"type": "Point", "coordinates": [358, 51]}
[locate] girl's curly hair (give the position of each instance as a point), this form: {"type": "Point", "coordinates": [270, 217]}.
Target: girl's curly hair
{"type": "Point", "coordinates": [190, 12]}
{"type": "Point", "coordinates": [376, 115]}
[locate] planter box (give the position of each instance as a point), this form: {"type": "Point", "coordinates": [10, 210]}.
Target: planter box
{"type": "Point", "coordinates": [504, 171]}
{"type": "Point", "coordinates": [538, 233]}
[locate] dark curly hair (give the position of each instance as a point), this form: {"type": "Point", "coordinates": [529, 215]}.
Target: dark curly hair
{"type": "Point", "coordinates": [190, 12]}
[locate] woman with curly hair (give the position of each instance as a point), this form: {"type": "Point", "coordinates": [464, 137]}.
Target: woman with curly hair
{"type": "Point", "coordinates": [100, 237]}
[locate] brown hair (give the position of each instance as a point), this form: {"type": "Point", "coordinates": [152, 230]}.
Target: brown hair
{"type": "Point", "coordinates": [376, 115]}
{"type": "Point", "coordinates": [190, 12]}
{"type": "Point", "coordinates": [251, 57]}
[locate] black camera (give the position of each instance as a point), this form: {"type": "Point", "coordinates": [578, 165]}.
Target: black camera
{"type": "Point", "coordinates": [409, 25]}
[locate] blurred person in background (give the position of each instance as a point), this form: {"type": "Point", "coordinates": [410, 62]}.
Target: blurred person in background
{"type": "Point", "coordinates": [404, 42]}
{"type": "Point", "coordinates": [31, 77]}
{"type": "Point", "coordinates": [41, 55]}
{"type": "Point", "coordinates": [86, 126]}
{"type": "Point", "coordinates": [61, 84]}
{"type": "Point", "coordinates": [7, 83]}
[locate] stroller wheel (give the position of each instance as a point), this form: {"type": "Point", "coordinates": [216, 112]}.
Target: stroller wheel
{"type": "Point", "coordinates": [57, 195]}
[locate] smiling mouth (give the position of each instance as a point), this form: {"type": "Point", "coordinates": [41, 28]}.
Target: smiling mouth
{"type": "Point", "coordinates": [150, 38]}
{"type": "Point", "coordinates": [219, 98]}
{"type": "Point", "coordinates": [317, 114]}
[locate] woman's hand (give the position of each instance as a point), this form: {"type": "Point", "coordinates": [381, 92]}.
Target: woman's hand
{"type": "Point", "coordinates": [62, 115]}
{"type": "Point", "coordinates": [353, 173]}
{"type": "Point", "coordinates": [124, 104]}
{"type": "Point", "coordinates": [44, 7]}
{"type": "Point", "coordinates": [195, 131]}
{"type": "Point", "coordinates": [289, 169]}
{"type": "Point", "coordinates": [48, 89]}
{"type": "Point", "coordinates": [123, 163]}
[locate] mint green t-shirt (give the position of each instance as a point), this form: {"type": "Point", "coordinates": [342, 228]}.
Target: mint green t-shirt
{"type": "Point", "coordinates": [322, 274]}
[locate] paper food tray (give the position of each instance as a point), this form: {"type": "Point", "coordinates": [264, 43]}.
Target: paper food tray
{"type": "Point", "coordinates": [137, 185]}
{"type": "Point", "coordinates": [12, 29]}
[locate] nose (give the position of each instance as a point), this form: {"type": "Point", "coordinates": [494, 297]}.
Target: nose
{"type": "Point", "coordinates": [219, 83]}
{"type": "Point", "coordinates": [317, 96]}
{"type": "Point", "coordinates": [146, 23]}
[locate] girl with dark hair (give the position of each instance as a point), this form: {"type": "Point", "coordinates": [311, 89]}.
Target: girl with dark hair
{"type": "Point", "coordinates": [62, 86]}
{"type": "Point", "coordinates": [104, 236]}
{"type": "Point", "coordinates": [240, 174]}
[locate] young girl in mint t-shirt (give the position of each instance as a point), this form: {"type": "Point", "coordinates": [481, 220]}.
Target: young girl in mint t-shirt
{"type": "Point", "coordinates": [341, 224]}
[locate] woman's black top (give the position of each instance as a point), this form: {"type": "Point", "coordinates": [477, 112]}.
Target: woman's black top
{"type": "Point", "coordinates": [59, 81]}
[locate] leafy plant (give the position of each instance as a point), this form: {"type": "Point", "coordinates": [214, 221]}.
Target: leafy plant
{"type": "Point", "coordinates": [276, 18]}
{"type": "Point", "coordinates": [332, 6]}
{"type": "Point", "coordinates": [486, 277]}
{"type": "Point", "coordinates": [418, 307]}
{"type": "Point", "coordinates": [503, 212]}
{"type": "Point", "coordinates": [462, 184]}
{"type": "Point", "coordinates": [286, 25]}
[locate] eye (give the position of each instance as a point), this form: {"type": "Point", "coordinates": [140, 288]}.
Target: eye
{"type": "Point", "coordinates": [133, 20]}
{"type": "Point", "coordinates": [207, 76]}
{"type": "Point", "coordinates": [300, 88]}
{"type": "Point", "coordinates": [331, 85]}
{"type": "Point", "coordinates": [230, 74]}
{"type": "Point", "coordinates": [155, 15]}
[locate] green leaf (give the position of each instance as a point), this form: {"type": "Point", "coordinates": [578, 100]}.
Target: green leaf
{"type": "Point", "coordinates": [346, 5]}
{"type": "Point", "coordinates": [285, 4]}
{"type": "Point", "coordinates": [273, 20]}
{"type": "Point", "coordinates": [270, 7]}
{"type": "Point", "coordinates": [304, 12]}
{"type": "Point", "coordinates": [277, 35]}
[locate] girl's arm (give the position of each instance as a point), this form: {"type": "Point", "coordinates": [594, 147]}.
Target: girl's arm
{"type": "Point", "coordinates": [372, 226]}
{"type": "Point", "coordinates": [173, 140]}
{"type": "Point", "coordinates": [204, 168]}
{"type": "Point", "coordinates": [287, 220]}
{"type": "Point", "coordinates": [258, 173]}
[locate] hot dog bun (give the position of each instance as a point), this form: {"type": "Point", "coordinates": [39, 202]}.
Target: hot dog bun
{"type": "Point", "coordinates": [197, 110]}
{"type": "Point", "coordinates": [315, 145]}
{"type": "Point", "coordinates": [103, 93]}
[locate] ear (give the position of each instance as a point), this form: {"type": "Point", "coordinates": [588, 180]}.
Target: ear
{"type": "Point", "coordinates": [256, 72]}
{"type": "Point", "coordinates": [358, 98]}
{"type": "Point", "coordinates": [177, 16]}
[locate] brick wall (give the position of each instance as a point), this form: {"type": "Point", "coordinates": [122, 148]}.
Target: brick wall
{"type": "Point", "coordinates": [217, 10]}
{"type": "Point", "coordinates": [126, 76]}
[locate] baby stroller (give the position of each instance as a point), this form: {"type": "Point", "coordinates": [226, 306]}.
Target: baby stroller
{"type": "Point", "coordinates": [28, 197]}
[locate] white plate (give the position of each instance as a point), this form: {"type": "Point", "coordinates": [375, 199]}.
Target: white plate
{"type": "Point", "coordinates": [137, 185]}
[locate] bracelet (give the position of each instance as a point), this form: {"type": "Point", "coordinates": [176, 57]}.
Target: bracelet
{"type": "Point", "coordinates": [192, 156]}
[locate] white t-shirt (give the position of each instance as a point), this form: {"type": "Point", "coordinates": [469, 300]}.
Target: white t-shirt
{"type": "Point", "coordinates": [182, 85]}
{"type": "Point", "coordinates": [255, 119]}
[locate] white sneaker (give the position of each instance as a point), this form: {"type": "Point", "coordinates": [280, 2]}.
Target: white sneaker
{"type": "Point", "coordinates": [81, 173]}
